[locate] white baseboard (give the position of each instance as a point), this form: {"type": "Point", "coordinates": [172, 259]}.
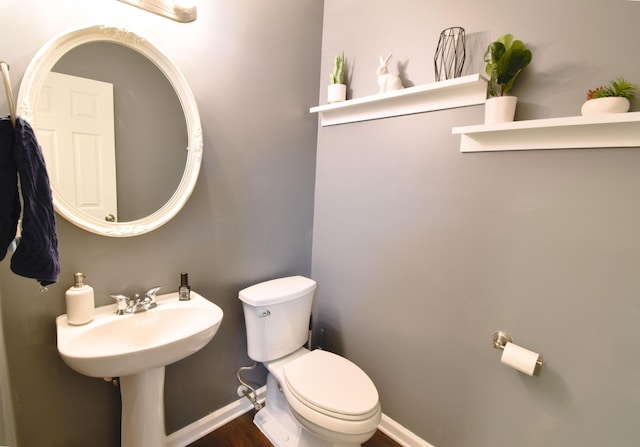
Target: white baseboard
{"type": "Point", "coordinates": [202, 427]}
{"type": "Point", "coordinates": [400, 434]}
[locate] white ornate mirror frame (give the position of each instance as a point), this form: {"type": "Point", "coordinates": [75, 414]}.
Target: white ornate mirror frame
{"type": "Point", "coordinates": [33, 80]}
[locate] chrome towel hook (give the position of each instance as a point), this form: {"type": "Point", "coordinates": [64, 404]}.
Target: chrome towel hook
{"type": "Point", "coordinates": [4, 67]}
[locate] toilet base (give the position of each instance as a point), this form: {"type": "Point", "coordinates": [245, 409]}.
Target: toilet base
{"type": "Point", "coordinates": [276, 421]}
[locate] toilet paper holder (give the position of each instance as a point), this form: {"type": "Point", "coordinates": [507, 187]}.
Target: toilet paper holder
{"type": "Point", "coordinates": [501, 338]}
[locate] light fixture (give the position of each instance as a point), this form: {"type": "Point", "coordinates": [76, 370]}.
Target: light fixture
{"type": "Point", "coordinates": [178, 10]}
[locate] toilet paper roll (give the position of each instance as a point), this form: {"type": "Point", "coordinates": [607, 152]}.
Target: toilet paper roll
{"type": "Point", "coordinates": [520, 358]}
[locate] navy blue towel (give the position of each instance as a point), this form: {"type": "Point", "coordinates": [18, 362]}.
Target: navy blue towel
{"type": "Point", "coordinates": [9, 201]}
{"type": "Point", "coordinates": [37, 253]}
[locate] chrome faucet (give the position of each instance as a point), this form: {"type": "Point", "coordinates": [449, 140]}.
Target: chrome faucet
{"type": "Point", "coordinates": [139, 303]}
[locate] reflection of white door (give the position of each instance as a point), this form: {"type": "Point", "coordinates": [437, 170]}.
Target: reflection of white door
{"type": "Point", "coordinates": [75, 129]}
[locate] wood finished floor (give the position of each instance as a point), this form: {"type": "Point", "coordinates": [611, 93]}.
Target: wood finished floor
{"type": "Point", "coordinates": [242, 432]}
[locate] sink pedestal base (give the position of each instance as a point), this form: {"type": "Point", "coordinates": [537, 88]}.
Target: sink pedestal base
{"type": "Point", "coordinates": [143, 409]}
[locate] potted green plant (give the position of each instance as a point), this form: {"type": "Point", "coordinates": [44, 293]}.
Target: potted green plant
{"type": "Point", "coordinates": [614, 98]}
{"type": "Point", "coordinates": [337, 90]}
{"type": "Point", "coordinates": [505, 59]}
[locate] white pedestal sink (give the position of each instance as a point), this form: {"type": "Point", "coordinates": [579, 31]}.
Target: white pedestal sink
{"type": "Point", "coordinates": [136, 348]}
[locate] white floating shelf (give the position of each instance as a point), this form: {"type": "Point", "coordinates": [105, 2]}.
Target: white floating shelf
{"type": "Point", "coordinates": [575, 132]}
{"type": "Point", "coordinates": [458, 92]}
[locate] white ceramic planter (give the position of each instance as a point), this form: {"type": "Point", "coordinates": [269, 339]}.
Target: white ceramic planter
{"type": "Point", "coordinates": [336, 93]}
{"type": "Point", "coordinates": [500, 109]}
{"type": "Point", "coordinates": [602, 106]}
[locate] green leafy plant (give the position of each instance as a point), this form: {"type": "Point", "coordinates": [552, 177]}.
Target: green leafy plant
{"type": "Point", "coordinates": [337, 76]}
{"type": "Point", "coordinates": [618, 87]}
{"type": "Point", "coordinates": [505, 58]}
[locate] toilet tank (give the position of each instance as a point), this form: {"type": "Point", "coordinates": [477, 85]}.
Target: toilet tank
{"type": "Point", "coordinates": [276, 314]}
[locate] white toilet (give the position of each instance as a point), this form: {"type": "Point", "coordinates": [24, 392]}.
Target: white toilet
{"type": "Point", "coordinates": [332, 398]}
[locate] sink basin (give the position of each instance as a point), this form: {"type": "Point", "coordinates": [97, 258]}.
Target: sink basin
{"type": "Point", "coordinates": [120, 345]}
{"type": "Point", "coordinates": [136, 348]}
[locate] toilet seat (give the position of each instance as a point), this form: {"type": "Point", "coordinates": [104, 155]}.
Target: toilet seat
{"type": "Point", "coordinates": [332, 386]}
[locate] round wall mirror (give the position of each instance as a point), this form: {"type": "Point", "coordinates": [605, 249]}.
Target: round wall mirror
{"type": "Point", "coordinates": [119, 128]}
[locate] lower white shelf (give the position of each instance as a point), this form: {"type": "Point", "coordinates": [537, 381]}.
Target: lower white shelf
{"type": "Point", "coordinates": [575, 132]}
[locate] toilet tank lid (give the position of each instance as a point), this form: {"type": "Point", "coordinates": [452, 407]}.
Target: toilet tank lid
{"type": "Point", "coordinates": [277, 290]}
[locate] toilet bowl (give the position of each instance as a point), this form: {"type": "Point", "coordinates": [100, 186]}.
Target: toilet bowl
{"type": "Point", "coordinates": [313, 398]}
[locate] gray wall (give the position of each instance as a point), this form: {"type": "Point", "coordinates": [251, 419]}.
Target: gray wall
{"type": "Point", "coordinates": [249, 218]}
{"type": "Point", "coordinates": [421, 252]}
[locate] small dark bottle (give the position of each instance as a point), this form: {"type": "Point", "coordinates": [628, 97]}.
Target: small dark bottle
{"type": "Point", "coordinates": [184, 292]}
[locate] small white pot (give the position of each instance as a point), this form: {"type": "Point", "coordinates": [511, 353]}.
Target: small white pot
{"type": "Point", "coordinates": [500, 109]}
{"type": "Point", "coordinates": [336, 93]}
{"type": "Point", "coordinates": [609, 104]}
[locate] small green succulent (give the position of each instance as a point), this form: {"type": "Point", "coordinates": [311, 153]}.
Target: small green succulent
{"type": "Point", "coordinates": [337, 76]}
{"type": "Point", "coordinates": [618, 87]}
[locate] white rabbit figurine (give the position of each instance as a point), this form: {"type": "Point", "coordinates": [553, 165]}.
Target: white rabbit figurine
{"type": "Point", "coordinates": [387, 82]}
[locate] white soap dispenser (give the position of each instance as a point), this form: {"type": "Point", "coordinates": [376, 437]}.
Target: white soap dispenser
{"type": "Point", "coordinates": [80, 302]}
